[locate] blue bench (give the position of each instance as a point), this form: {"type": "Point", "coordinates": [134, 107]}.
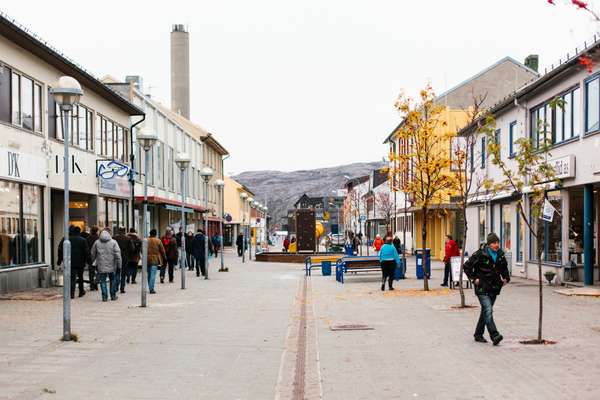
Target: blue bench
{"type": "Point", "coordinates": [317, 262]}
{"type": "Point", "coordinates": [356, 264]}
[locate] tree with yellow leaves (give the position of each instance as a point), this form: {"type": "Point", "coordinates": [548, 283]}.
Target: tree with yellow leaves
{"type": "Point", "coordinates": [426, 156]}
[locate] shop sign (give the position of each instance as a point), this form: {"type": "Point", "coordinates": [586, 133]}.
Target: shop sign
{"type": "Point", "coordinates": [74, 165]}
{"type": "Point", "coordinates": [564, 167]}
{"type": "Point", "coordinates": [112, 180]}
{"type": "Point", "coordinates": [22, 167]}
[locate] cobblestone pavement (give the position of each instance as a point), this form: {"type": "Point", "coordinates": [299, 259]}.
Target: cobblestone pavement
{"type": "Point", "coordinates": [261, 332]}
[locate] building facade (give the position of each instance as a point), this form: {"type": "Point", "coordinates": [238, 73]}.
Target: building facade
{"type": "Point", "coordinates": [237, 213]}
{"type": "Point", "coordinates": [490, 86]}
{"type": "Point", "coordinates": [572, 237]}
{"type": "Point", "coordinates": [31, 143]}
{"type": "Point", "coordinates": [176, 135]}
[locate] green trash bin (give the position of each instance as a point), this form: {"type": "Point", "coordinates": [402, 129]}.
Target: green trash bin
{"type": "Point", "coordinates": [326, 268]}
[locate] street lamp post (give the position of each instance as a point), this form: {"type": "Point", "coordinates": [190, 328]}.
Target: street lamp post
{"type": "Point", "coordinates": [206, 173]}
{"type": "Point", "coordinates": [257, 207]}
{"type": "Point", "coordinates": [219, 184]}
{"type": "Point", "coordinates": [250, 201]}
{"type": "Point", "coordinates": [66, 94]}
{"type": "Point", "coordinates": [266, 210]}
{"type": "Point", "coordinates": [243, 197]}
{"type": "Point", "coordinates": [146, 141]}
{"type": "Point", "coordinates": [183, 161]}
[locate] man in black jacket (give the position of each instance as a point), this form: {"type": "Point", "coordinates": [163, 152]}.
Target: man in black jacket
{"type": "Point", "coordinates": [488, 270]}
{"type": "Point", "coordinates": [199, 251]}
{"type": "Point", "coordinates": [91, 239]}
{"type": "Point", "coordinates": [80, 255]}
{"type": "Point", "coordinates": [126, 246]}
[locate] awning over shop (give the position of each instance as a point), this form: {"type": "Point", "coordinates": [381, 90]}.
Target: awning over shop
{"type": "Point", "coordinates": [166, 202]}
{"type": "Point", "coordinates": [178, 208]}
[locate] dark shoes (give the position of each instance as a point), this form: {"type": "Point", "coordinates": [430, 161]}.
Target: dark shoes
{"type": "Point", "coordinates": [444, 285]}
{"type": "Point", "coordinates": [383, 287]}
{"type": "Point", "coordinates": [105, 299]}
{"type": "Point", "coordinates": [480, 339]}
{"type": "Point", "coordinates": [122, 290]}
{"type": "Point", "coordinates": [115, 297]}
{"type": "Point", "coordinates": [81, 294]}
{"type": "Point", "coordinates": [133, 282]}
{"type": "Point", "coordinates": [497, 339]}
{"type": "Point", "coordinates": [391, 288]}
{"type": "Point", "coordinates": [152, 291]}
{"type": "Point", "coordinates": [162, 280]}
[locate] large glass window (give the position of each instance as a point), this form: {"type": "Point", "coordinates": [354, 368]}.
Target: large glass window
{"type": "Point", "coordinates": [520, 236]}
{"type": "Point", "coordinates": [20, 224]}
{"type": "Point", "coordinates": [481, 211]}
{"type": "Point", "coordinates": [512, 138]}
{"type": "Point", "coordinates": [559, 123]}
{"type": "Point", "coordinates": [505, 227]}
{"type": "Point", "coordinates": [5, 93]}
{"type": "Point", "coordinates": [549, 234]}
{"type": "Point", "coordinates": [482, 153]}
{"type": "Point", "coordinates": [26, 102]}
{"type": "Point", "coordinates": [592, 105]}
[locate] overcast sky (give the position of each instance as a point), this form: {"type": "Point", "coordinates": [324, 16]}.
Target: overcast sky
{"type": "Point", "coordinates": [302, 84]}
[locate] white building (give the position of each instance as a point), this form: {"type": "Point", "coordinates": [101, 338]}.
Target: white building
{"type": "Point", "coordinates": [573, 235]}
{"type": "Point", "coordinates": [31, 144]}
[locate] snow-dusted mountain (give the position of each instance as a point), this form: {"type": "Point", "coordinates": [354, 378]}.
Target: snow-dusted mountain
{"type": "Point", "coordinates": [280, 190]}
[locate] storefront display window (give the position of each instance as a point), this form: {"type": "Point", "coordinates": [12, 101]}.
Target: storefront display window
{"type": "Point", "coordinates": [576, 226]}
{"type": "Point", "coordinates": [20, 224]}
{"type": "Point", "coordinates": [113, 213]}
{"type": "Point", "coordinates": [549, 234]}
{"type": "Point", "coordinates": [505, 227]}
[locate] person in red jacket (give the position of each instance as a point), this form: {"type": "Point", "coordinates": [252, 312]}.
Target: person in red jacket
{"type": "Point", "coordinates": [450, 250]}
{"type": "Point", "coordinates": [377, 243]}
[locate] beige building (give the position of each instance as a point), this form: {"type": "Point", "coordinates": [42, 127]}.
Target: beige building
{"type": "Point", "coordinates": [237, 212]}
{"type": "Point", "coordinates": [32, 167]}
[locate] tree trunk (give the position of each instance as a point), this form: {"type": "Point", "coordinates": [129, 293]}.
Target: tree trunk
{"type": "Point", "coordinates": [541, 303]}
{"type": "Point", "coordinates": [423, 247]}
{"type": "Point", "coordinates": [462, 260]}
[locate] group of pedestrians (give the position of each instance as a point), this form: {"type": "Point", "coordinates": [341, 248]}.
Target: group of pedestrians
{"type": "Point", "coordinates": [113, 261]}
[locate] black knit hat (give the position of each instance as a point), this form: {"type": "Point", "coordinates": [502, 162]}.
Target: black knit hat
{"type": "Point", "coordinates": [492, 238]}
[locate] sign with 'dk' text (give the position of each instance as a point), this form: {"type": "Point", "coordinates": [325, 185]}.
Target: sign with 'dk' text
{"type": "Point", "coordinates": [22, 167]}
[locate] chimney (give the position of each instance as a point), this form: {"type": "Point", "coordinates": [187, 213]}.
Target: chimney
{"type": "Point", "coordinates": [180, 70]}
{"type": "Point", "coordinates": [135, 80]}
{"type": "Point", "coordinates": [532, 61]}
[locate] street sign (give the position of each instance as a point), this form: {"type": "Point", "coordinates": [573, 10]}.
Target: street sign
{"type": "Point", "coordinates": [363, 218]}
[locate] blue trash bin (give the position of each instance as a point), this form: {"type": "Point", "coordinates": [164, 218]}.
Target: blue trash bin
{"type": "Point", "coordinates": [326, 268]}
{"type": "Point", "coordinates": [423, 262]}
{"type": "Point", "coordinates": [400, 271]}
{"type": "Point", "coordinates": [348, 250]}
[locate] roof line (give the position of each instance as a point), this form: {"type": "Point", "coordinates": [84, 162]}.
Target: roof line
{"type": "Point", "coordinates": [22, 37]}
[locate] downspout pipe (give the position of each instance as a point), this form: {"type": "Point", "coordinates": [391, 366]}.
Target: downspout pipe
{"type": "Point", "coordinates": [132, 171]}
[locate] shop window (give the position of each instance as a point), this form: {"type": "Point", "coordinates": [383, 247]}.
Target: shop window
{"type": "Point", "coordinates": [505, 227]}
{"type": "Point", "coordinates": [20, 224]}
{"type": "Point", "coordinates": [481, 212]}
{"type": "Point", "coordinates": [520, 236]}
{"type": "Point", "coordinates": [549, 234]}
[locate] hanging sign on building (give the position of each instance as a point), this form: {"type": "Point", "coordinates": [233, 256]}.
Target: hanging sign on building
{"type": "Point", "coordinates": [113, 179]}
{"type": "Point", "coordinates": [22, 167]}
{"type": "Point", "coordinates": [564, 167]}
{"type": "Point", "coordinates": [548, 211]}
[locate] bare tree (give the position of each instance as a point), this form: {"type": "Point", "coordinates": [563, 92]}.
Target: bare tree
{"type": "Point", "coordinates": [385, 206]}
{"type": "Point", "coordinates": [467, 182]}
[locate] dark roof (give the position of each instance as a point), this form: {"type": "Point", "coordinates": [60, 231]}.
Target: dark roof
{"type": "Point", "coordinates": [569, 66]}
{"type": "Point", "coordinates": [32, 43]}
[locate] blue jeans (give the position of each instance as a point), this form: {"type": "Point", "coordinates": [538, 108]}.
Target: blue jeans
{"type": "Point", "coordinates": [486, 316]}
{"type": "Point", "coordinates": [151, 276]}
{"type": "Point", "coordinates": [112, 281]}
